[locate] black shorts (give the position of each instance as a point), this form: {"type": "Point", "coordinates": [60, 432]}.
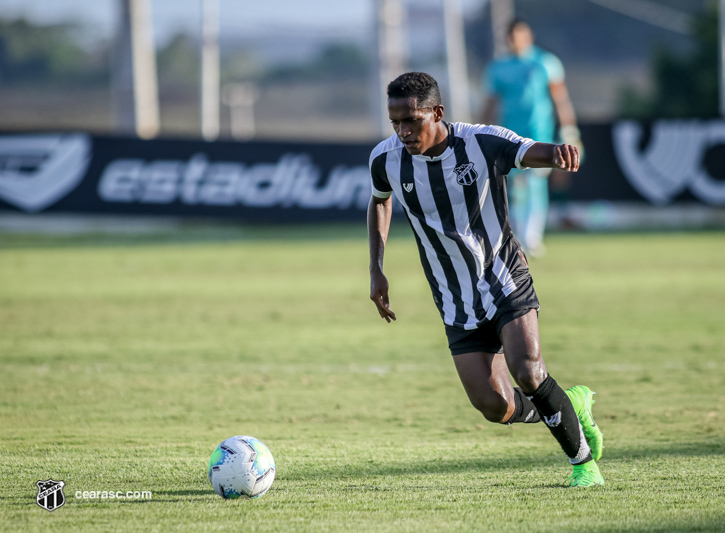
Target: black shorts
{"type": "Point", "coordinates": [487, 337]}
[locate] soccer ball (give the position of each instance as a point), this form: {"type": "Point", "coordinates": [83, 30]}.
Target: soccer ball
{"type": "Point", "coordinates": [241, 466]}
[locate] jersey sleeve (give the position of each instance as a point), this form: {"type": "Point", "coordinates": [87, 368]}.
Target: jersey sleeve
{"type": "Point", "coordinates": [521, 152]}
{"type": "Point", "coordinates": [554, 68]}
{"type": "Point", "coordinates": [380, 184]}
{"type": "Point", "coordinates": [504, 147]}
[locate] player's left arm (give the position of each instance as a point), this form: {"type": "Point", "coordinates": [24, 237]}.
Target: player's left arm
{"type": "Point", "coordinates": [562, 103]}
{"type": "Point", "coordinates": [569, 132]}
{"type": "Point", "coordinates": [544, 155]}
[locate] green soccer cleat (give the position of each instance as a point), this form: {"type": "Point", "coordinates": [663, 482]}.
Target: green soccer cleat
{"type": "Point", "coordinates": [585, 475]}
{"type": "Point", "coordinates": [581, 399]}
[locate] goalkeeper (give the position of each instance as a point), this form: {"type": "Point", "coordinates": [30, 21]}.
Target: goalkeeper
{"type": "Point", "coordinates": [522, 90]}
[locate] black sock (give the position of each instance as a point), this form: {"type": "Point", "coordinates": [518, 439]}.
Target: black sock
{"type": "Point", "coordinates": [525, 412]}
{"type": "Point", "coordinates": [558, 414]}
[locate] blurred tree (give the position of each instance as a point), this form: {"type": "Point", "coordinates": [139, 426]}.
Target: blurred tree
{"type": "Point", "coordinates": [33, 55]}
{"type": "Point", "coordinates": [338, 60]}
{"type": "Point", "coordinates": [238, 63]}
{"type": "Point", "coordinates": [178, 62]}
{"type": "Point", "coordinates": [684, 85]}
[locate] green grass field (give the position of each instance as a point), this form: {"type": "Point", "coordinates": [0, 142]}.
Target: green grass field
{"type": "Point", "coordinates": [125, 361]}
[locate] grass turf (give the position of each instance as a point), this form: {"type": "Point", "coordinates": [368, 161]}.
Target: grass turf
{"type": "Point", "coordinates": [125, 361]}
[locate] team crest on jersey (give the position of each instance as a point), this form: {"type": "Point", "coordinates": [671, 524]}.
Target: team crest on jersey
{"type": "Point", "coordinates": [50, 494]}
{"type": "Point", "coordinates": [408, 187]}
{"type": "Point", "coordinates": [466, 174]}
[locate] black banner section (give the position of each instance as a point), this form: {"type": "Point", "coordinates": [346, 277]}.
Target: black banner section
{"type": "Point", "coordinates": [255, 181]}
{"type": "Point", "coordinates": [659, 163]}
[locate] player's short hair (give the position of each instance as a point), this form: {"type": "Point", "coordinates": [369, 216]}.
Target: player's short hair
{"type": "Point", "coordinates": [516, 22]}
{"type": "Point", "coordinates": [419, 85]}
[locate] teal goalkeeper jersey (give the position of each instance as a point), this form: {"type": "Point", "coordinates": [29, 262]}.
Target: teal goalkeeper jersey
{"type": "Point", "coordinates": [522, 85]}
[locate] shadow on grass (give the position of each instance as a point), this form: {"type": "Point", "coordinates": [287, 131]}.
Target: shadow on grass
{"type": "Point", "coordinates": [520, 463]}
{"type": "Point", "coordinates": [709, 524]}
{"type": "Point", "coordinates": [510, 462]}
{"type": "Point", "coordinates": [186, 492]}
{"type": "Point", "coordinates": [652, 450]}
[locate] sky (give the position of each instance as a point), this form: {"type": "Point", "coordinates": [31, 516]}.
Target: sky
{"type": "Point", "coordinates": [333, 17]}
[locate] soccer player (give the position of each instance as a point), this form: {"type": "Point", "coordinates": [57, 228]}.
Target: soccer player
{"type": "Point", "coordinates": [526, 86]}
{"type": "Point", "coordinates": [451, 182]}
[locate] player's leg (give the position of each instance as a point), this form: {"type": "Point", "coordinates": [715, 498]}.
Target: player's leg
{"type": "Point", "coordinates": [520, 339]}
{"type": "Point", "coordinates": [485, 378]}
{"type": "Point", "coordinates": [484, 374]}
{"type": "Point", "coordinates": [523, 355]}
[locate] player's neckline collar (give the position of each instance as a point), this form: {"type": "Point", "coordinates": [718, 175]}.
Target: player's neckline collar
{"type": "Point", "coordinates": [446, 153]}
{"type": "Point", "coordinates": [528, 54]}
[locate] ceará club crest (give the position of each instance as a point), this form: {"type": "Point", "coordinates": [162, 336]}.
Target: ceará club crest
{"type": "Point", "coordinates": [50, 494]}
{"type": "Point", "coordinates": [466, 174]}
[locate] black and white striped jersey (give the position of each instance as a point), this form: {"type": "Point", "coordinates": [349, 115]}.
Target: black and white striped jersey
{"type": "Point", "coordinates": [456, 204]}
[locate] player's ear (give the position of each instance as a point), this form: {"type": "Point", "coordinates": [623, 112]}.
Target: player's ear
{"type": "Point", "coordinates": [438, 113]}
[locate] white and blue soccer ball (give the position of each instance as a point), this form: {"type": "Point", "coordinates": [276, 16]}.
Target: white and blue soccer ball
{"type": "Point", "coordinates": [241, 467]}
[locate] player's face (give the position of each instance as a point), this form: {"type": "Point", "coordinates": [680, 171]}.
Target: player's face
{"type": "Point", "coordinates": [416, 127]}
{"type": "Point", "coordinates": [520, 39]}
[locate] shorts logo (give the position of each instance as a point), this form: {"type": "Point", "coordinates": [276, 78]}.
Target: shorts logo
{"type": "Point", "coordinates": [553, 421]}
{"type": "Point", "coordinates": [408, 187]}
{"type": "Point", "coordinates": [466, 174]}
{"type": "Point", "coordinates": [50, 494]}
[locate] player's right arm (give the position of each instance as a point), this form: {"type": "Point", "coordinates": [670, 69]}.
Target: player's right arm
{"type": "Point", "coordinates": [545, 155]}
{"type": "Point", "coordinates": [379, 212]}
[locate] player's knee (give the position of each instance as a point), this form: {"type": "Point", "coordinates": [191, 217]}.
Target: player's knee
{"type": "Point", "coordinates": [492, 410]}
{"type": "Point", "coordinates": [530, 377]}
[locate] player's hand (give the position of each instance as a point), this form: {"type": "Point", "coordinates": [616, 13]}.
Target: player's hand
{"type": "Point", "coordinates": [379, 295]}
{"type": "Point", "coordinates": [570, 134]}
{"type": "Point", "coordinates": [566, 157]}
